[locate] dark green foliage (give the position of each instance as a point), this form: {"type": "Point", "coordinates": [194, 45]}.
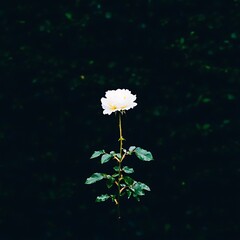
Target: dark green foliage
{"type": "Point", "coordinates": [110, 181]}
{"type": "Point", "coordinates": [97, 154]}
{"type": "Point", "coordinates": [120, 178]}
{"type": "Point", "coordinates": [138, 188]}
{"type": "Point", "coordinates": [128, 180]}
{"type": "Point", "coordinates": [128, 170]}
{"type": "Point", "coordinates": [105, 158]}
{"type": "Point", "coordinates": [142, 154]}
{"type": "Point", "coordinates": [94, 178]}
{"type": "Point", "coordinates": [102, 198]}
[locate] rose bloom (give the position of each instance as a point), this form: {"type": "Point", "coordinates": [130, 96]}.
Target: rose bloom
{"type": "Point", "coordinates": [118, 100]}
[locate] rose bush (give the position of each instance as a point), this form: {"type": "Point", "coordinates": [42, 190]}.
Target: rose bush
{"type": "Point", "coordinates": [119, 100]}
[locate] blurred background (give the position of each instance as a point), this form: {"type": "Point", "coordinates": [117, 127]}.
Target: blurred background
{"type": "Point", "coordinates": [181, 59]}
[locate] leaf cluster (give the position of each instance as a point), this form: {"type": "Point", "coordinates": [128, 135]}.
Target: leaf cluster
{"type": "Point", "coordinates": [120, 178]}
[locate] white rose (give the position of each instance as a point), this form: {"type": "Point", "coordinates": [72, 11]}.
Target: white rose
{"type": "Point", "coordinates": [118, 100]}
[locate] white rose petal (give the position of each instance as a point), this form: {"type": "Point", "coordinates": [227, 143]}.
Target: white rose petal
{"type": "Point", "coordinates": [118, 100]}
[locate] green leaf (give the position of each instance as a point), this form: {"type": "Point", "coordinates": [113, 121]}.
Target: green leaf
{"type": "Point", "coordinates": [94, 178]}
{"type": "Point", "coordinates": [143, 154]}
{"type": "Point", "coordinates": [116, 168]}
{"type": "Point", "coordinates": [129, 193]}
{"type": "Point", "coordinates": [127, 169]}
{"type": "Point", "coordinates": [128, 180]}
{"type": "Point", "coordinates": [102, 198]}
{"type": "Point", "coordinates": [131, 149]}
{"type": "Point", "coordinates": [144, 186]}
{"type": "Point", "coordinates": [97, 154]}
{"type": "Point", "coordinates": [139, 188]}
{"type": "Point", "coordinates": [110, 181]}
{"type": "Point", "coordinates": [105, 158]}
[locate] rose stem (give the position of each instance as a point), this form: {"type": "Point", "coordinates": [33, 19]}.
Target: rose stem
{"type": "Point", "coordinates": [119, 164]}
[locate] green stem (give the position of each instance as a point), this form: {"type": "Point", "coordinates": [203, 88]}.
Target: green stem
{"type": "Point", "coordinates": [120, 134]}
{"type": "Point", "coordinates": [120, 164]}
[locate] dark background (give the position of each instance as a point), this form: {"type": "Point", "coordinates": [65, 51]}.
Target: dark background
{"type": "Point", "coordinates": [181, 59]}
